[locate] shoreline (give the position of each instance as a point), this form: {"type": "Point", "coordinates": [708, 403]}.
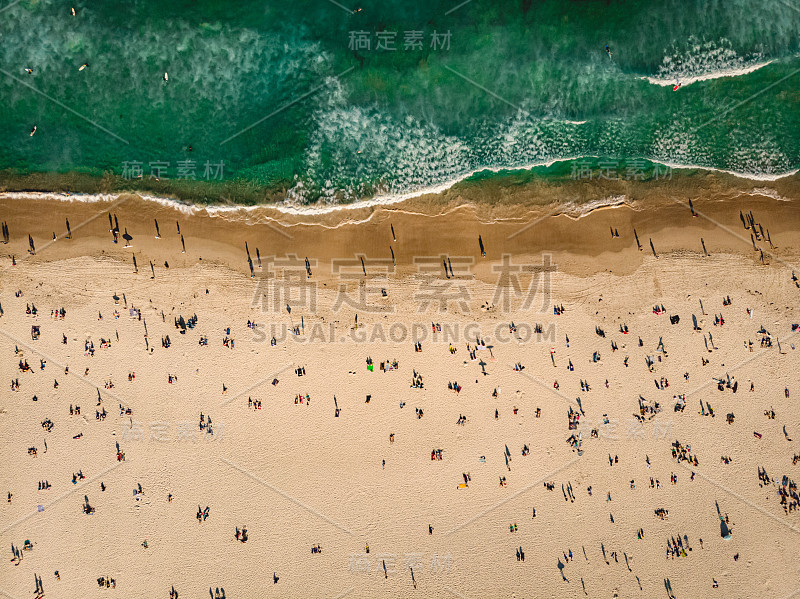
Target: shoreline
{"type": "Point", "coordinates": [195, 194]}
{"type": "Point", "coordinates": [527, 222]}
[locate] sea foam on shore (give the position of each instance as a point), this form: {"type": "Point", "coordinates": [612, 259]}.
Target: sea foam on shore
{"type": "Point", "coordinates": [296, 209]}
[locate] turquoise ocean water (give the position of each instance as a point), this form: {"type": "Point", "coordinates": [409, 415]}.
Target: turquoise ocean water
{"type": "Point", "coordinates": [343, 100]}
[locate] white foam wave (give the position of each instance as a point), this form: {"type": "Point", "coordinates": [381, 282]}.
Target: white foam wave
{"type": "Point", "coordinates": [766, 192]}
{"type": "Point", "coordinates": [696, 60]}
{"type": "Point", "coordinates": [383, 200]}
{"type": "Point", "coordinates": [91, 198]}
{"type": "Point", "coordinates": [718, 74]}
{"type": "Point", "coordinates": [750, 176]}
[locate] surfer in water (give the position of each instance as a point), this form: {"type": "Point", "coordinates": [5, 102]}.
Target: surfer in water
{"type": "Point", "coordinates": [608, 51]}
{"type": "Point", "coordinates": [677, 85]}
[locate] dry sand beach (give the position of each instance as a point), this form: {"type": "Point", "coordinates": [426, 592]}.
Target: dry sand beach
{"type": "Point", "coordinates": [559, 481]}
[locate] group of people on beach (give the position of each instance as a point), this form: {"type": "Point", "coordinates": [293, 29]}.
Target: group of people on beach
{"type": "Point", "coordinates": [648, 410]}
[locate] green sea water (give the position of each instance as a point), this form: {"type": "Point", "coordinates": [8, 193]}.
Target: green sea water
{"type": "Point", "coordinates": [340, 101]}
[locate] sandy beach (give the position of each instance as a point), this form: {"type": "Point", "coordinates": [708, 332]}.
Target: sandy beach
{"type": "Point", "coordinates": [271, 373]}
